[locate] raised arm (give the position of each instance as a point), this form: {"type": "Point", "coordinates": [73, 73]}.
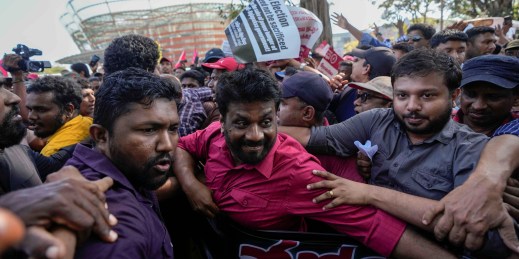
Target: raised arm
{"type": "Point", "coordinates": [199, 195]}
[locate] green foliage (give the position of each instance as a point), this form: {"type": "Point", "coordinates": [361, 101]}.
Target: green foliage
{"type": "Point", "coordinates": [418, 10]}
{"type": "Point", "coordinates": [53, 70]}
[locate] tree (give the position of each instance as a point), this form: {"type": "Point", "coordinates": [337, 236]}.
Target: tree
{"type": "Point", "coordinates": [480, 8]}
{"type": "Point", "coordinates": [322, 10]}
{"type": "Point", "coordinates": [417, 9]}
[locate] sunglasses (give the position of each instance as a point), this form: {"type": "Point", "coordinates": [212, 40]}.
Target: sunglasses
{"type": "Point", "coordinates": [512, 53]}
{"type": "Point", "coordinates": [365, 96]}
{"type": "Point", "coordinates": [414, 38]}
{"type": "Point", "coordinates": [7, 81]}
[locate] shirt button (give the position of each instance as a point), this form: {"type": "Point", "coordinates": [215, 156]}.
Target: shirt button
{"type": "Point", "coordinates": [395, 165]}
{"type": "Point", "coordinates": [244, 202]}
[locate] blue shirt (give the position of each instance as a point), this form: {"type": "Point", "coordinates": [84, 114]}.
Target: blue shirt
{"type": "Point", "coordinates": [191, 112]}
{"type": "Point", "coordinates": [511, 127]}
{"type": "Point", "coordinates": [141, 231]}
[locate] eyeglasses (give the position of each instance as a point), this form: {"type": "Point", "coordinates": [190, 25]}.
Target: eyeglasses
{"type": "Point", "coordinates": [365, 96]}
{"type": "Point", "coordinates": [512, 53]}
{"type": "Point", "coordinates": [7, 81]}
{"type": "Point", "coordinates": [414, 38]}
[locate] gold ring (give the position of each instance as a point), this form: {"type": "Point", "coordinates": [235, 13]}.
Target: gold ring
{"type": "Point", "coordinates": [330, 193]}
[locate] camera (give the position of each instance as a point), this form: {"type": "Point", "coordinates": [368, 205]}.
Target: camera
{"type": "Point", "coordinates": [28, 65]}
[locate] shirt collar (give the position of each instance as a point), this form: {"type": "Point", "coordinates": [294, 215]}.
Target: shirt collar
{"type": "Point", "coordinates": [100, 163]}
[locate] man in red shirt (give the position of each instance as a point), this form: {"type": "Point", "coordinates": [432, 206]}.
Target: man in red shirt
{"type": "Point", "coordinates": [259, 178]}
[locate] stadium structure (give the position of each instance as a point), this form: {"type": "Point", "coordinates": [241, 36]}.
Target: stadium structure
{"type": "Point", "coordinates": [176, 25]}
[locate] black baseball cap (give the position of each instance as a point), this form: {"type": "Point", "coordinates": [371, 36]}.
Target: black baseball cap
{"type": "Point", "coordinates": [499, 70]}
{"type": "Point", "coordinates": [381, 60]}
{"type": "Point", "coordinates": [309, 87]}
{"type": "Point", "coordinates": [213, 55]}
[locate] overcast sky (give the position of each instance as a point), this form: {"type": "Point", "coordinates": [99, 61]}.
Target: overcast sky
{"type": "Point", "coordinates": [36, 24]}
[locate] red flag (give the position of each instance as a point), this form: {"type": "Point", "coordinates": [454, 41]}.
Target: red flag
{"type": "Point", "coordinates": [181, 60]}
{"type": "Point", "coordinates": [195, 57]}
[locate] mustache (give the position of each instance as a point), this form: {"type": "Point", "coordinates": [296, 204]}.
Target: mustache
{"type": "Point", "coordinates": [253, 143]}
{"type": "Point", "coordinates": [414, 115]}
{"type": "Point", "coordinates": [165, 157]}
{"type": "Point", "coordinates": [14, 111]}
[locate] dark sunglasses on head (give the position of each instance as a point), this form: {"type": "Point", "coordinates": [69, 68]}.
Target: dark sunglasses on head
{"type": "Point", "coordinates": [6, 81]}
{"type": "Point", "coordinates": [365, 96]}
{"type": "Point", "coordinates": [414, 38]}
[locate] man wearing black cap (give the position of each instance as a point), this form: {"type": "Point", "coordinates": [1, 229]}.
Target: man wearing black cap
{"type": "Point", "coordinates": [489, 90]}
{"type": "Point", "coordinates": [367, 64]}
{"type": "Point", "coordinates": [305, 97]}
{"type": "Point", "coordinates": [213, 55]}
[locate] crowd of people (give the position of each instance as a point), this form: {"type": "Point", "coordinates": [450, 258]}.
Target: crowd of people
{"type": "Point", "coordinates": [411, 149]}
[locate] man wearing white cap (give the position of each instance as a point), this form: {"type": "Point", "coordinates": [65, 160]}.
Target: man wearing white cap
{"type": "Point", "coordinates": [377, 93]}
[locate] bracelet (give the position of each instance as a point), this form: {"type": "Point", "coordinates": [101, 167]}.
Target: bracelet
{"type": "Point", "coordinates": [18, 81]}
{"type": "Point", "coordinates": [302, 66]}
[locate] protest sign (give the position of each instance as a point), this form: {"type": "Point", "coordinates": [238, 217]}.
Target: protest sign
{"type": "Point", "coordinates": [309, 26]}
{"type": "Point", "coordinates": [263, 31]}
{"type": "Point", "coordinates": [329, 65]}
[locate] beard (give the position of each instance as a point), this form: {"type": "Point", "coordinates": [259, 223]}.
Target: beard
{"type": "Point", "coordinates": [58, 122]}
{"type": "Point", "coordinates": [248, 157]}
{"type": "Point", "coordinates": [11, 132]}
{"type": "Point", "coordinates": [145, 176]}
{"type": "Point", "coordinates": [432, 126]}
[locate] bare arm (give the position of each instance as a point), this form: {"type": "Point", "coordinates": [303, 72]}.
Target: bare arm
{"type": "Point", "coordinates": [197, 193]}
{"type": "Point", "coordinates": [413, 245]}
{"type": "Point", "coordinates": [301, 134]}
{"type": "Point", "coordinates": [407, 207]}
{"type": "Point", "coordinates": [342, 22]}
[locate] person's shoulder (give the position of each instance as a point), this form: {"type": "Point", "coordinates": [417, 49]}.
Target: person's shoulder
{"type": "Point", "coordinates": [464, 134]}
{"type": "Point", "coordinates": [511, 128]}
{"type": "Point", "coordinates": [289, 149]}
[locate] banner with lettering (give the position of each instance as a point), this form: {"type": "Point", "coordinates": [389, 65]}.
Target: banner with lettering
{"type": "Point", "coordinates": [264, 31]}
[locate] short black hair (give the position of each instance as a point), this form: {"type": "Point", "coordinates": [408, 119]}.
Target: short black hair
{"type": "Point", "coordinates": [131, 51]}
{"type": "Point", "coordinates": [199, 77]}
{"type": "Point", "coordinates": [346, 63]}
{"type": "Point", "coordinates": [245, 86]}
{"type": "Point", "coordinates": [94, 78]}
{"type": "Point", "coordinates": [472, 33]}
{"type": "Point", "coordinates": [65, 90]}
{"type": "Point", "coordinates": [403, 46]}
{"type": "Point", "coordinates": [448, 35]}
{"type": "Point", "coordinates": [423, 62]}
{"type": "Point", "coordinates": [80, 67]}
{"type": "Point", "coordinates": [131, 85]}
{"type": "Point", "coordinates": [427, 30]}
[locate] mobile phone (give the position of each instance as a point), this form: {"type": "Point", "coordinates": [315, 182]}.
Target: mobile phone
{"type": "Point", "coordinates": [508, 19]}
{"type": "Point", "coordinates": [94, 60]}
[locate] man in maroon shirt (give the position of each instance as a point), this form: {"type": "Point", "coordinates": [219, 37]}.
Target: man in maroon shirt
{"type": "Point", "coordinates": [259, 178]}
